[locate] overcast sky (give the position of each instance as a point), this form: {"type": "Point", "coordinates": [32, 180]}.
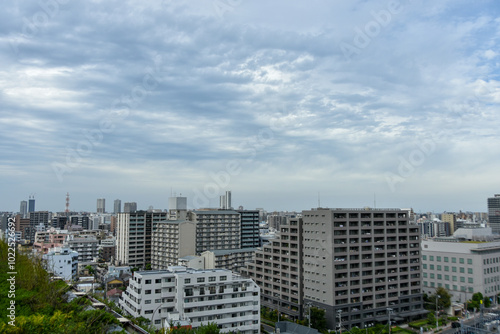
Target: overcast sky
{"type": "Point", "coordinates": [385, 103]}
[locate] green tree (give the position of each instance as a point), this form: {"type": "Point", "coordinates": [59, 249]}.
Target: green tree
{"type": "Point", "coordinates": [444, 299]}
{"type": "Point", "coordinates": [318, 319]}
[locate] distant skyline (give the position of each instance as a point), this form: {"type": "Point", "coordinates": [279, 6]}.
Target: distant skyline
{"type": "Point", "coordinates": [275, 101]}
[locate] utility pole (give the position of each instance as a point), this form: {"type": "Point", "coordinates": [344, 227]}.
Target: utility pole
{"type": "Point", "coordinates": [437, 314]}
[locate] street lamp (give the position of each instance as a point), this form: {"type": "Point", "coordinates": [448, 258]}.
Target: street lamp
{"type": "Point", "coordinates": [437, 314]}
{"type": "Point", "coordinates": [389, 310]}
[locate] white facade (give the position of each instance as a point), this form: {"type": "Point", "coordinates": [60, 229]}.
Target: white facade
{"type": "Point", "coordinates": [202, 296]}
{"type": "Point", "coordinates": [62, 263]}
{"type": "Point", "coordinates": [87, 248]}
{"type": "Point", "coordinates": [463, 268]}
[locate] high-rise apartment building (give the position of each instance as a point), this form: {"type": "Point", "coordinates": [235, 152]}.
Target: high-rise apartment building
{"type": "Point", "coordinates": [134, 237]}
{"type": "Point", "coordinates": [31, 204]}
{"type": "Point", "coordinates": [494, 213]}
{"type": "Point", "coordinates": [451, 219]}
{"type": "Point", "coordinates": [101, 205]}
{"type": "Point", "coordinates": [216, 229]}
{"type": "Point", "coordinates": [172, 239]}
{"type": "Point", "coordinates": [225, 201]}
{"type": "Point", "coordinates": [360, 262]}
{"type": "Point", "coordinates": [129, 207]}
{"type": "Point", "coordinates": [250, 236]}
{"type": "Point", "coordinates": [277, 269]}
{"type": "Point", "coordinates": [23, 209]}
{"type": "Point", "coordinates": [117, 206]}
{"type": "Point", "coordinates": [195, 296]}
{"type": "Point", "coordinates": [177, 208]}
{"type": "Point", "coordinates": [38, 218]}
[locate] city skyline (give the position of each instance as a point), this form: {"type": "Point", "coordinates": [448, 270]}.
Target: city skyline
{"type": "Point", "coordinates": [366, 104]}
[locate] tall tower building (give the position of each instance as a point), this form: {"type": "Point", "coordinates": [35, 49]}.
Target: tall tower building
{"type": "Point", "coordinates": [217, 229]}
{"type": "Point", "coordinates": [225, 201]}
{"type": "Point", "coordinates": [23, 209]}
{"type": "Point", "coordinates": [494, 213]}
{"type": "Point", "coordinates": [101, 205]}
{"type": "Point", "coordinates": [177, 207]}
{"type": "Point", "coordinates": [117, 208]}
{"type": "Point", "coordinates": [31, 204]}
{"type": "Point", "coordinates": [450, 218]}
{"type": "Point", "coordinates": [250, 234]}
{"type": "Point", "coordinates": [129, 207]}
{"type": "Point", "coordinates": [134, 237]}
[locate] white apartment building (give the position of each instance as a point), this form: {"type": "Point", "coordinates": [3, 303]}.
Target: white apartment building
{"type": "Point", "coordinates": [462, 267]}
{"type": "Point", "coordinates": [199, 296]}
{"type": "Point", "coordinates": [87, 247]}
{"type": "Point", "coordinates": [172, 239]}
{"type": "Point", "coordinates": [62, 263]}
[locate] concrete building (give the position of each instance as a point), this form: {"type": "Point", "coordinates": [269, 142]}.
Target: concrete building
{"type": "Point", "coordinates": [451, 219]}
{"type": "Point", "coordinates": [101, 205]}
{"type": "Point", "coordinates": [462, 267]}
{"type": "Point", "coordinates": [23, 209]}
{"type": "Point", "coordinates": [23, 226]}
{"type": "Point", "coordinates": [129, 207]}
{"type": "Point", "coordinates": [197, 296]}
{"type": "Point", "coordinates": [277, 269]}
{"type": "Point", "coordinates": [359, 262]}
{"type": "Point", "coordinates": [87, 248]}
{"type": "Point", "coordinates": [62, 262]}
{"type": "Point", "coordinates": [177, 208]}
{"type": "Point", "coordinates": [37, 218]}
{"type": "Point", "coordinates": [216, 229]}
{"type": "Point", "coordinates": [250, 236]}
{"type": "Point", "coordinates": [31, 204]}
{"type": "Point", "coordinates": [134, 232]}
{"type": "Point", "coordinates": [494, 213]}
{"type": "Point", "coordinates": [117, 206]}
{"type": "Point", "coordinates": [231, 259]}
{"type": "Point", "coordinates": [225, 201]}
{"type": "Point", "coordinates": [172, 239]}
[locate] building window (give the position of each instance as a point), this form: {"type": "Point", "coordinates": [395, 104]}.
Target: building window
{"type": "Point", "coordinates": [425, 275]}
{"type": "Point", "coordinates": [223, 278]}
{"type": "Point", "coordinates": [431, 258]}
{"type": "Point", "coordinates": [470, 280]}
{"type": "Point", "coordinates": [454, 278]}
{"type": "Point", "coordinates": [148, 292]}
{"type": "Point", "coordinates": [424, 266]}
{"type": "Point", "coordinates": [469, 270]}
{"type": "Point", "coordinates": [462, 261]}
{"type": "Point", "coordinates": [187, 280]}
{"type": "Point", "coordinates": [148, 281]}
{"type": "Point", "coordinates": [431, 267]}
{"type": "Point", "coordinates": [438, 258]}
{"type": "Point", "coordinates": [446, 268]}
{"type": "Point", "coordinates": [211, 279]}
{"type": "Point", "coordinates": [469, 261]}
{"type": "Point", "coordinates": [445, 259]}
{"type": "Point", "coordinates": [157, 290]}
{"type": "Point", "coordinates": [462, 270]}
{"type": "Point", "coordinates": [439, 276]}
{"type": "Point", "coordinates": [200, 279]}
{"type": "Point", "coordinates": [447, 277]}
{"type": "Point", "coordinates": [453, 260]}
{"type": "Point", "coordinates": [147, 302]}
{"type": "Point", "coordinates": [462, 279]}
{"type": "Point", "coordinates": [432, 275]}
{"type": "Point", "coordinates": [438, 267]}
{"type": "Point", "coordinates": [424, 257]}
{"type": "Point", "coordinates": [454, 269]}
